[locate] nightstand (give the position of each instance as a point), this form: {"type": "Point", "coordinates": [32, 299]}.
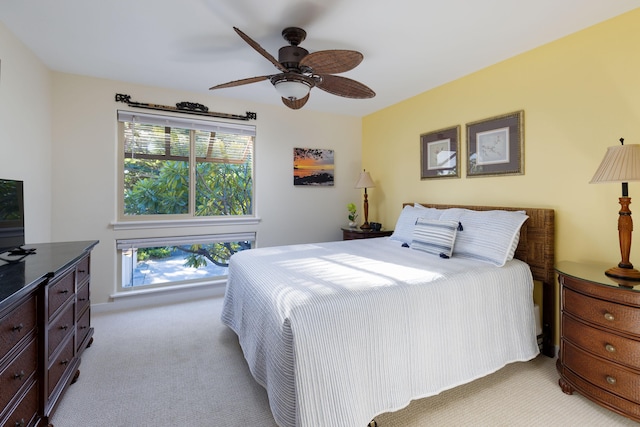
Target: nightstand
{"type": "Point", "coordinates": [349, 233]}
{"type": "Point", "coordinates": [599, 337]}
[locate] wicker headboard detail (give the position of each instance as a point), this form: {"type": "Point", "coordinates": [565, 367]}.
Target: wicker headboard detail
{"type": "Point", "coordinates": [536, 248]}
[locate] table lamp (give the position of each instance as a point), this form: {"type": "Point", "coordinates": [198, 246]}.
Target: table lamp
{"type": "Point", "coordinates": [621, 163]}
{"type": "Point", "coordinates": [365, 181]}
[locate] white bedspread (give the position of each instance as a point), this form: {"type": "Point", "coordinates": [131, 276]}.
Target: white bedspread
{"type": "Point", "coordinates": [340, 332]}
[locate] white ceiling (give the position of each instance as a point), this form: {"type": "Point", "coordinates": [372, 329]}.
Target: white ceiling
{"type": "Point", "coordinates": [409, 46]}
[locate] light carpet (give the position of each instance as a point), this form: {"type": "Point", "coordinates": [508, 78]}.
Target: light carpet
{"type": "Point", "coordinates": [177, 365]}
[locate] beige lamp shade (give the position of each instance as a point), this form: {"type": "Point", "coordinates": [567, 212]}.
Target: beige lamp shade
{"type": "Point", "coordinates": [621, 163]}
{"type": "Point", "coordinates": [365, 181]}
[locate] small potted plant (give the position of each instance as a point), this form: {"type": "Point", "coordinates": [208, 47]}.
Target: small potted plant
{"type": "Point", "coordinates": [352, 214]}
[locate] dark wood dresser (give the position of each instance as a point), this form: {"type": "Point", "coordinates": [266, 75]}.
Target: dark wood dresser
{"type": "Point", "coordinates": [599, 337]}
{"type": "Point", "coordinates": [44, 327]}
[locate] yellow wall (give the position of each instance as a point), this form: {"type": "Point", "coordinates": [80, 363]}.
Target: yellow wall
{"type": "Point", "coordinates": [579, 94]}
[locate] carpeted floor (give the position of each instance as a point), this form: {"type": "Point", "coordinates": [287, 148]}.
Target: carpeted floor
{"type": "Point", "coordinates": [177, 365]}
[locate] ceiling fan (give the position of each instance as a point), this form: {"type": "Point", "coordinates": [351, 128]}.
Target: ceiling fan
{"type": "Point", "coordinates": [301, 71]}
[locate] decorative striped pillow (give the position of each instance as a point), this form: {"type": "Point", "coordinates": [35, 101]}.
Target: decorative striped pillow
{"type": "Point", "coordinates": [434, 236]}
{"type": "Point", "coordinates": [489, 236]}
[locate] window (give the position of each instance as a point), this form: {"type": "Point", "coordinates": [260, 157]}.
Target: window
{"type": "Point", "coordinates": [178, 260]}
{"type": "Point", "coordinates": [177, 172]}
{"type": "Point", "coordinates": [182, 168]}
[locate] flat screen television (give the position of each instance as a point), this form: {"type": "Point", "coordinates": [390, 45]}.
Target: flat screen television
{"type": "Point", "coordinates": [11, 214]}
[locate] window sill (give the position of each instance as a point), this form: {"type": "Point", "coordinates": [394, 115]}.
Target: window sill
{"type": "Point", "coordinates": [200, 222]}
{"type": "Point", "coordinates": [129, 300]}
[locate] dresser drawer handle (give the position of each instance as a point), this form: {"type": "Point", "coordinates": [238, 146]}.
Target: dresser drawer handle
{"type": "Point", "coordinates": [65, 327]}
{"type": "Point", "coordinates": [609, 317]}
{"type": "Point", "coordinates": [65, 362]}
{"type": "Point", "coordinates": [19, 376]}
{"type": "Point", "coordinates": [17, 328]}
{"type": "Point", "coordinates": [611, 380]}
{"type": "Point", "coordinates": [64, 291]}
{"type": "Point", "coordinates": [20, 423]}
{"type": "Point", "coordinates": [610, 348]}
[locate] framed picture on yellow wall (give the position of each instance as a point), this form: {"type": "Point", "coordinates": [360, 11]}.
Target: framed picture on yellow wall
{"type": "Point", "coordinates": [439, 153]}
{"type": "Point", "coordinates": [495, 146]}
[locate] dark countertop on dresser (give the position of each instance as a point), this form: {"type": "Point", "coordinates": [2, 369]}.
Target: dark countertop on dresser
{"type": "Point", "coordinates": [20, 274]}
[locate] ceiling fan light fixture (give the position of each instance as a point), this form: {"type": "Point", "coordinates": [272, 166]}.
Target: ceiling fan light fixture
{"type": "Point", "coordinates": [292, 88]}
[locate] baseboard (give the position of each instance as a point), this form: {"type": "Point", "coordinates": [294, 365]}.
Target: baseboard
{"type": "Point", "coordinates": [160, 296]}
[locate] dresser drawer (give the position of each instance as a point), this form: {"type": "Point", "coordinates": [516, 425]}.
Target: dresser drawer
{"type": "Point", "coordinates": [62, 327]}
{"type": "Point", "coordinates": [82, 298]}
{"type": "Point", "coordinates": [82, 270]}
{"type": "Point", "coordinates": [18, 372]}
{"type": "Point", "coordinates": [602, 397]}
{"type": "Point", "coordinates": [60, 291]}
{"type": "Point", "coordinates": [17, 324]}
{"type": "Point", "coordinates": [25, 413]}
{"type": "Point", "coordinates": [59, 366]}
{"type": "Point", "coordinates": [610, 315]}
{"type": "Point", "coordinates": [83, 328]}
{"type": "Point", "coordinates": [603, 374]}
{"type": "Point", "coordinates": [604, 344]}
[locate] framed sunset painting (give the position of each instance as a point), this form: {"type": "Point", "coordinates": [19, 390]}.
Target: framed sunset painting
{"type": "Point", "coordinates": [313, 166]}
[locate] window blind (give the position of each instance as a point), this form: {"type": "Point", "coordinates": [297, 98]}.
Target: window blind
{"type": "Point", "coordinates": [186, 123]}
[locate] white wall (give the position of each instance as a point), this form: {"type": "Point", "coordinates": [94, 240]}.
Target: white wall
{"type": "Point", "coordinates": [25, 131]}
{"type": "Point", "coordinates": [85, 166]}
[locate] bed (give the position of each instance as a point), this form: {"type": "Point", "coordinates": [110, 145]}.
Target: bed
{"type": "Point", "coordinates": [339, 332]}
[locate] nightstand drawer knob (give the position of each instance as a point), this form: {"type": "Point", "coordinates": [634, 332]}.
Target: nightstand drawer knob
{"type": "Point", "coordinates": [609, 317]}
{"type": "Point", "coordinates": [610, 348]}
{"type": "Point", "coordinates": [611, 380]}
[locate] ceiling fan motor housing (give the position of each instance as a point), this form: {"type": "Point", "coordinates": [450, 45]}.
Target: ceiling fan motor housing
{"type": "Point", "coordinates": [290, 56]}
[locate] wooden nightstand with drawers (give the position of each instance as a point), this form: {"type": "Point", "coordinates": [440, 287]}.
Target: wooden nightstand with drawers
{"type": "Point", "coordinates": [349, 233]}
{"type": "Point", "coordinates": [599, 337]}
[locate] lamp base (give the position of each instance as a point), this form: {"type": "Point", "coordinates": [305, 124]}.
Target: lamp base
{"type": "Point", "coordinates": [624, 273]}
{"type": "Point", "coordinates": [365, 226]}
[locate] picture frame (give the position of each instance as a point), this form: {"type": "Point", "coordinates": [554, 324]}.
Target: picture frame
{"type": "Point", "coordinates": [313, 167]}
{"type": "Point", "coordinates": [439, 153]}
{"type": "Point", "coordinates": [495, 146]}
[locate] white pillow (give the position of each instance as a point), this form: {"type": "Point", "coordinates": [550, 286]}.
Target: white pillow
{"type": "Point", "coordinates": [403, 232]}
{"type": "Point", "coordinates": [434, 236]}
{"type": "Point", "coordinates": [489, 236]}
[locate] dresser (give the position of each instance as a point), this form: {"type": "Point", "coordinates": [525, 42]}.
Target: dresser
{"type": "Point", "coordinates": [599, 337]}
{"type": "Point", "coordinates": [349, 233]}
{"type": "Point", "coordinates": [44, 328]}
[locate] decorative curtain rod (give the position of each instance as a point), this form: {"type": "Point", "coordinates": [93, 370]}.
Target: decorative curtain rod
{"type": "Point", "coordinates": [184, 107]}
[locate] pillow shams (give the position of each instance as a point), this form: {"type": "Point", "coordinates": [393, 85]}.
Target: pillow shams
{"type": "Point", "coordinates": [403, 231]}
{"type": "Point", "coordinates": [489, 236]}
{"type": "Point", "coordinates": [434, 236]}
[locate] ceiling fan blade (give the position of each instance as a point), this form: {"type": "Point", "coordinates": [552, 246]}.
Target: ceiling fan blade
{"type": "Point", "coordinates": [296, 104]}
{"type": "Point", "coordinates": [332, 61]}
{"type": "Point", "coordinates": [241, 82]}
{"type": "Point", "coordinates": [345, 87]}
{"type": "Point", "coordinates": [260, 50]}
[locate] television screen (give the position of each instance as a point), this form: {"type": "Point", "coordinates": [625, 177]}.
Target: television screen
{"type": "Point", "coordinates": [11, 214]}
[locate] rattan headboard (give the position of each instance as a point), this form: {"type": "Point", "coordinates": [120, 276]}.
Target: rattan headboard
{"type": "Point", "coordinates": [536, 248]}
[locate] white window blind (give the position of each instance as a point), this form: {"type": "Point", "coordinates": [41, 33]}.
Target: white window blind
{"type": "Point", "coordinates": [186, 123]}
